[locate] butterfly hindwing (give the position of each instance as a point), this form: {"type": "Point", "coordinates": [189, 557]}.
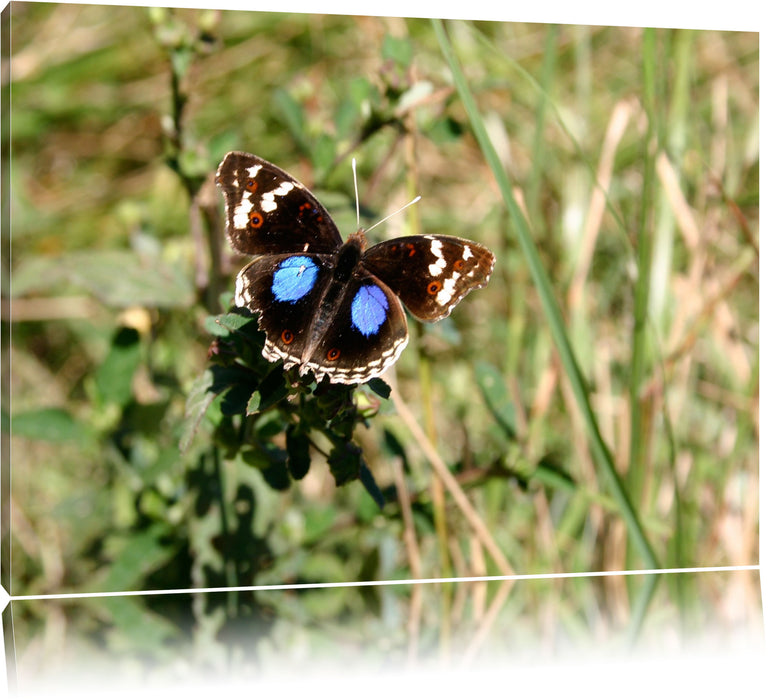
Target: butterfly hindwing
{"type": "Point", "coordinates": [350, 330]}
{"type": "Point", "coordinates": [268, 211]}
{"type": "Point", "coordinates": [365, 336]}
{"type": "Point", "coordinates": [431, 274]}
{"type": "Point", "coordinates": [286, 292]}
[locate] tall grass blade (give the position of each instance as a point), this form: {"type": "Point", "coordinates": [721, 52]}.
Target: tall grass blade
{"type": "Point", "coordinates": [550, 306]}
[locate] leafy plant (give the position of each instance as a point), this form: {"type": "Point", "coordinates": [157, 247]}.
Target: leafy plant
{"type": "Point", "coordinates": [254, 401]}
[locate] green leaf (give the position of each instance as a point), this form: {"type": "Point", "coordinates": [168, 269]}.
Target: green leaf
{"type": "Point", "coordinates": [254, 404]}
{"type": "Point", "coordinates": [225, 300]}
{"type": "Point", "coordinates": [398, 49]}
{"type": "Point", "coordinates": [362, 89]}
{"type": "Point", "coordinates": [163, 464]}
{"type": "Point", "coordinates": [324, 603]}
{"type": "Point", "coordinates": [324, 153]}
{"type": "Point", "coordinates": [318, 521]}
{"type": "Point", "coordinates": [224, 377]}
{"type": "Point", "coordinates": [118, 278]}
{"type": "Point", "coordinates": [298, 449]}
{"type": "Point", "coordinates": [346, 118]}
{"type": "Point", "coordinates": [554, 475]}
{"type": "Point", "coordinates": [235, 401]}
{"type": "Point", "coordinates": [271, 462]}
{"type": "Point", "coordinates": [139, 554]}
{"type": "Point", "coordinates": [272, 388]}
{"type": "Point", "coordinates": [50, 425]}
{"type": "Point", "coordinates": [368, 480]}
{"type": "Point", "coordinates": [180, 59]}
{"type": "Point", "coordinates": [198, 401]}
{"type": "Point", "coordinates": [380, 387]}
{"type": "Point", "coordinates": [444, 130]}
{"type": "Point", "coordinates": [292, 113]}
{"type": "Point", "coordinates": [497, 397]}
{"type": "Point", "coordinates": [269, 426]}
{"type": "Point", "coordinates": [345, 462]}
{"type": "Point", "coordinates": [134, 628]}
{"type": "Point", "coordinates": [368, 507]}
{"type": "Point", "coordinates": [113, 377]}
{"type": "Point", "coordinates": [212, 326]}
{"type": "Point", "coordinates": [223, 324]}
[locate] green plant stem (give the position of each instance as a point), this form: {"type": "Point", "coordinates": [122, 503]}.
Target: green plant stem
{"type": "Point", "coordinates": [552, 312]}
{"type": "Point", "coordinates": [640, 606]}
{"type": "Point", "coordinates": [426, 392]}
{"type": "Point", "coordinates": [230, 573]}
{"type": "Point", "coordinates": [643, 258]}
{"type": "Point", "coordinates": [639, 420]}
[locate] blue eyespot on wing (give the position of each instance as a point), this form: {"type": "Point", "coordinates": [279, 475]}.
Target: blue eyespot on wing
{"type": "Point", "coordinates": [369, 309]}
{"type": "Point", "coordinates": [294, 278]}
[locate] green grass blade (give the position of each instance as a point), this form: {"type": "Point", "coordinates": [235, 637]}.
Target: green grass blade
{"type": "Point", "coordinates": [550, 306]}
{"type": "Point", "coordinates": [643, 260]}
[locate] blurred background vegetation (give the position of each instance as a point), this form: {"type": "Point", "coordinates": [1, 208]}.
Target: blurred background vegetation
{"type": "Point", "coordinates": [633, 158]}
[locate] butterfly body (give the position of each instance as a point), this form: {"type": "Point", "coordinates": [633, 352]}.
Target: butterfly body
{"type": "Point", "coordinates": [328, 306]}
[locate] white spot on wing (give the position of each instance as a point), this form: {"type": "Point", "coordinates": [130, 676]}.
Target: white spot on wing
{"type": "Point", "coordinates": [435, 268]}
{"type": "Point", "coordinates": [242, 212]}
{"type": "Point", "coordinates": [239, 291]}
{"type": "Point", "coordinates": [268, 202]}
{"type": "Point", "coordinates": [284, 188]}
{"type": "Point", "coordinates": [447, 292]}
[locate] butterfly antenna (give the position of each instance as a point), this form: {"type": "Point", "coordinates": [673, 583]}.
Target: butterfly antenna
{"type": "Point", "coordinates": [408, 204]}
{"type": "Point", "coordinates": [355, 187]}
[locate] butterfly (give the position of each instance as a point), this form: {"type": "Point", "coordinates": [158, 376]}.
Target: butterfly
{"type": "Point", "coordinates": [331, 307]}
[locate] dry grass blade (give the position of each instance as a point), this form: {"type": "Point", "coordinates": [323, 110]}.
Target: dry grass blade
{"type": "Point", "coordinates": [441, 470]}
{"type": "Point", "coordinates": [618, 122]}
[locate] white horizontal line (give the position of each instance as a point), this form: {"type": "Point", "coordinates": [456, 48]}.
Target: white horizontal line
{"type": "Point", "coordinates": [399, 582]}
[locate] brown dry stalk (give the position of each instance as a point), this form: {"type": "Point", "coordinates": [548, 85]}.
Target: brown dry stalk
{"type": "Point", "coordinates": [677, 201]}
{"type": "Point", "coordinates": [614, 132]}
{"type": "Point", "coordinates": [410, 536]}
{"type": "Point", "coordinates": [413, 556]}
{"type": "Point", "coordinates": [481, 634]}
{"type": "Point", "coordinates": [449, 482]}
{"type": "Point", "coordinates": [722, 289]}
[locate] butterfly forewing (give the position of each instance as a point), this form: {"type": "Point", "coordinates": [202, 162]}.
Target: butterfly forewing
{"type": "Point", "coordinates": [268, 211]}
{"type": "Point", "coordinates": [431, 274]}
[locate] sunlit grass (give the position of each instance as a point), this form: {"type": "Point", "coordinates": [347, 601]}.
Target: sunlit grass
{"type": "Point", "coordinates": [596, 405]}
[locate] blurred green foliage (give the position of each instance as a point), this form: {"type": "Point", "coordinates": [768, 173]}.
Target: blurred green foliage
{"type": "Point", "coordinates": [122, 281]}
